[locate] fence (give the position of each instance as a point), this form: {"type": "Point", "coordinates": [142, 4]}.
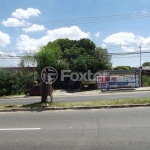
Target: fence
{"type": "Point", "coordinates": [118, 79]}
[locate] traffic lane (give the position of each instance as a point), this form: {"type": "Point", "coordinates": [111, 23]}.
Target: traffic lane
{"type": "Point", "coordinates": [87, 98]}
{"type": "Point", "coordinates": [77, 98]}
{"type": "Point", "coordinates": [20, 101]}
{"type": "Point", "coordinates": [115, 129]}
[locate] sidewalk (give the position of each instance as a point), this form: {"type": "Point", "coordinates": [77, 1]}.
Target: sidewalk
{"type": "Point", "coordinates": [98, 91]}
{"type": "Point", "coordinates": [142, 89]}
{"type": "Point", "coordinates": [76, 92]}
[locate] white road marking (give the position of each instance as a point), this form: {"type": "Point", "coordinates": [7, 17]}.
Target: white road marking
{"type": "Point", "coordinates": [19, 129]}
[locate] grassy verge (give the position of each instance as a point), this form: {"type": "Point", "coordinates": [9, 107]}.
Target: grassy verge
{"type": "Point", "coordinates": [74, 104]}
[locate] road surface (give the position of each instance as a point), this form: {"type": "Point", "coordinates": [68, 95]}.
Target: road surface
{"type": "Point", "coordinates": [78, 98]}
{"type": "Point", "coordinates": [107, 129]}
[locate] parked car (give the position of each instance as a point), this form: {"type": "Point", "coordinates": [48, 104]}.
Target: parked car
{"type": "Point", "coordinates": [33, 91]}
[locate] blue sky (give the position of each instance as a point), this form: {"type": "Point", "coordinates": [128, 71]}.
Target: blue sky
{"type": "Point", "coordinates": [119, 26]}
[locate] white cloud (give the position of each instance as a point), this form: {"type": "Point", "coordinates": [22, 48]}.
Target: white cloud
{"type": "Point", "coordinates": [4, 39]}
{"type": "Point", "coordinates": [13, 22]}
{"type": "Point", "coordinates": [128, 41]}
{"type": "Point", "coordinates": [7, 55]}
{"type": "Point", "coordinates": [97, 34]}
{"type": "Point", "coordinates": [24, 42]}
{"type": "Point", "coordinates": [34, 27]}
{"type": "Point", "coordinates": [121, 37]}
{"type": "Point", "coordinates": [13, 54]}
{"type": "Point", "coordinates": [73, 33]}
{"type": "Point", "coordinates": [145, 11]}
{"type": "Point", "coordinates": [103, 46]}
{"type": "Point", "coordinates": [8, 59]}
{"type": "Point", "coordinates": [25, 14]}
{"type": "Point", "coordinates": [1, 53]}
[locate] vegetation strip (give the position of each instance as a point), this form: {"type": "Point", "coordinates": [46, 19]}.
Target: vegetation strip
{"type": "Point", "coordinates": [97, 104]}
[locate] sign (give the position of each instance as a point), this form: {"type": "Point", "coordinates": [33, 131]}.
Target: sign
{"type": "Point", "coordinates": [102, 81]}
{"type": "Point", "coordinates": [117, 81]}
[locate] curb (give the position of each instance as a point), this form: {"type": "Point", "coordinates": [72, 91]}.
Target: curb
{"type": "Point", "coordinates": [77, 107]}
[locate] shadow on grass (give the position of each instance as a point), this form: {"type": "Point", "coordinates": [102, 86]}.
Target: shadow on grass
{"type": "Point", "coordinates": [37, 106]}
{"type": "Point", "coordinates": [9, 106]}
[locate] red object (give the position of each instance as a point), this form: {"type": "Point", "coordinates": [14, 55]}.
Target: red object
{"type": "Point", "coordinates": [113, 79]}
{"type": "Point", "coordinates": [103, 79]}
{"type": "Point", "coordinates": [33, 91]}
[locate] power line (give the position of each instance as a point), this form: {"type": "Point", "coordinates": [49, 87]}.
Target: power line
{"type": "Point", "coordinates": [101, 55]}
{"type": "Point", "coordinates": [89, 20]}
{"type": "Point", "coordinates": [109, 48]}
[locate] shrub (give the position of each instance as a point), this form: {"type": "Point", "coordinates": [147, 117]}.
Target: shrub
{"type": "Point", "coordinates": [11, 84]}
{"type": "Point", "coordinates": [145, 80]}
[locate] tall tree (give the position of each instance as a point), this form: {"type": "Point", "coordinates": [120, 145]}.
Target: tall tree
{"type": "Point", "coordinates": [76, 55]}
{"type": "Point", "coordinates": [83, 55]}
{"type": "Point", "coordinates": [146, 64]}
{"type": "Point", "coordinates": [49, 55]}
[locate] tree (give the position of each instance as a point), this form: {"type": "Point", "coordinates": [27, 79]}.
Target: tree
{"type": "Point", "coordinates": [146, 64]}
{"type": "Point", "coordinates": [83, 55]}
{"type": "Point", "coordinates": [76, 55]}
{"type": "Point", "coordinates": [49, 55]}
{"type": "Point", "coordinates": [28, 59]}
{"type": "Point", "coordinates": [104, 60]}
{"type": "Point", "coordinates": [122, 68]}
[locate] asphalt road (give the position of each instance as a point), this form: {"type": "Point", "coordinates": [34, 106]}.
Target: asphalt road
{"type": "Point", "coordinates": [76, 98]}
{"type": "Point", "coordinates": [104, 129]}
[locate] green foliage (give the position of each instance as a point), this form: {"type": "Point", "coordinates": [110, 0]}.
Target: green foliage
{"type": "Point", "coordinates": [7, 80]}
{"type": "Point", "coordinates": [122, 68]}
{"type": "Point", "coordinates": [28, 59]}
{"type": "Point", "coordinates": [76, 55]}
{"type": "Point", "coordinates": [145, 80]}
{"type": "Point", "coordinates": [146, 64]}
{"type": "Point", "coordinates": [103, 59]}
{"type": "Point", "coordinates": [50, 55]}
{"type": "Point", "coordinates": [11, 84]}
{"type": "Point", "coordinates": [82, 55]}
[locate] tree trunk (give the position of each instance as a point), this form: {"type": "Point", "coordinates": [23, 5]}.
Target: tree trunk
{"type": "Point", "coordinates": [44, 93]}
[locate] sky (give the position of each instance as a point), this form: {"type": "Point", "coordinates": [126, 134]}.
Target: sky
{"type": "Point", "coordinates": [121, 26]}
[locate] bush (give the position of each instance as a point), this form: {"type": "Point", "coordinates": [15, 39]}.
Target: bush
{"type": "Point", "coordinates": [145, 80]}
{"type": "Point", "coordinates": [11, 84]}
{"type": "Point", "coordinates": [7, 80]}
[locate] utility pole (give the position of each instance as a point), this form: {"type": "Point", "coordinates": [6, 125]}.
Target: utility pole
{"type": "Point", "coordinates": [140, 56]}
{"type": "Point", "coordinates": [140, 76]}
{"type": "Point", "coordinates": [33, 69]}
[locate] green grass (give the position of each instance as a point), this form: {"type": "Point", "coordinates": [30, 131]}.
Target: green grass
{"type": "Point", "coordinates": [75, 104]}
